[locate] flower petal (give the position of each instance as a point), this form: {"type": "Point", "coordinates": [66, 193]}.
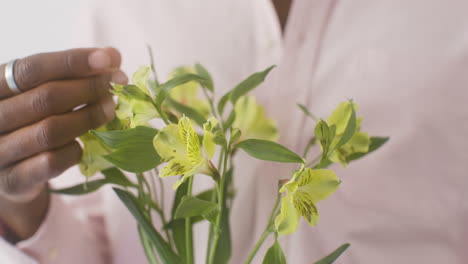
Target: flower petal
{"type": "Point", "coordinates": [254, 122]}
{"type": "Point", "coordinates": [169, 144]}
{"type": "Point", "coordinates": [287, 220]}
{"type": "Point", "coordinates": [306, 207]}
{"type": "Point", "coordinates": [341, 115]}
{"type": "Point", "coordinates": [317, 184]}
{"type": "Point", "coordinates": [208, 143]}
{"type": "Point", "coordinates": [140, 78]}
{"type": "Point", "coordinates": [190, 140]}
{"type": "Point", "coordinates": [176, 167]}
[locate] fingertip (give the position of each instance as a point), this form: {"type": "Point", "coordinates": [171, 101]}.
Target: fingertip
{"type": "Point", "coordinates": [119, 78]}
{"type": "Point", "coordinates": [100, 60]}
{"type": "Point", "coordinates": [116, 57]}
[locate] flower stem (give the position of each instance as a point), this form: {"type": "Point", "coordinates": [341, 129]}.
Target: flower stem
{"type": "Point", "coordinates": [188, 229]}
{"type": "Point", "coordinates": [268, 230]}
{"type": "Point", "coordinates": [220, 188]}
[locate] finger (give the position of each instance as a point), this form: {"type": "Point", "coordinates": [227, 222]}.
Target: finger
{"type": "Point", "coordinates": [37, 69]}
{"type": "Point", "coordinates": [53, 98]}
{"type": "Point", "coordinates": [27, 177]}
{"type": "Point", "coordinates": [54, 132]}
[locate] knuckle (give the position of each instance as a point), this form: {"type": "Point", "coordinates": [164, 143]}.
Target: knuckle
{"type": "Point", "coordinates": [9, 182]}
{"type": "Point", "coordinates": [46, 133]}
{"type": "Point", "coordinates": [69, 62]}
{"type": "Point", "coordinates": [44, 100]}
{"type": "Point", "coordinates": [27, 73]}
{"type": "Point", "coordinates": [51, 165]}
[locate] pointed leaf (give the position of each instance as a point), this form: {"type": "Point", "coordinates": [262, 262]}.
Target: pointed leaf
{"type": "Point", "coordinates": [269, 150]}
{"type": "Point", "coordinates": [188, 111]}
{"type": "Point", "coordinates": [222, 102]}
{"type": "Point", "coordinates": [334, 255]}
{"type": "Point", "coordinates": [80, 189]}
{"type": "Point", "coordinates": [208, 84]}
{"type": "Point", "coordinates": [191, 206]}
{"type": "Point", "coordinates": [115, 176]}
{"type": "Point", "coordinates": [274, 255]}
{"type": "Point", "coordinates": [375, 143]}
{"type": "Point", "coordinates": [249, 84]}
{"type": "Point", "coordinates": [165, 252]}
{"type": "Point", "coordinates": [133, 148]}
{"type": "Point", "coordinates": [350, 128]}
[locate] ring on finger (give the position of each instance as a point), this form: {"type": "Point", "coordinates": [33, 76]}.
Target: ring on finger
{"type": "Point", "coordinates": [10, 77]}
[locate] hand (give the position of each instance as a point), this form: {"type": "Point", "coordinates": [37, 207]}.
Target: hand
{"type": "Point", "coordinates": [38, 127]}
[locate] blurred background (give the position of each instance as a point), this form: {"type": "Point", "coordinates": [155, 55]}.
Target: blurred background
{"type": "Point", "coordinates": [46, 23]}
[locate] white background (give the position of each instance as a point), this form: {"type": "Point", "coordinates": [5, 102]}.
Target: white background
{"type": "Point", "coordinates": [32, 26]}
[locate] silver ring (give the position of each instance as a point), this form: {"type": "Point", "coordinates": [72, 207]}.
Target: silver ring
{"type": "Point", "coordinates": [10, 77]}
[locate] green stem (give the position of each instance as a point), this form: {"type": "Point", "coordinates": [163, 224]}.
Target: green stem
{"type": "Point", "coordinates": [268, 230]}
{"type": "Point", "coordinates": [188, 229]}
{"type": "Point", "coordinates": [314, 162]}
{"type": "Point", "coordinates": [211, 228]}
{"type": "Point", "coordinates": [147, 245]}
{"type": "Point", "coordinates": [148, 248]}
{"type": "Point", "coordinates": [308, 146]}
{"type": "Point", "coordinates": [220, 188]}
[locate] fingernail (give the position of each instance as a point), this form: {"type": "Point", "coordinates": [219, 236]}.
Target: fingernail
{"type": "Point", "coordinates": [119, 78]}
{"type": "Point", "coordinates": [99, 60]}
{"type": "Point", "coordinates": [109, 108]}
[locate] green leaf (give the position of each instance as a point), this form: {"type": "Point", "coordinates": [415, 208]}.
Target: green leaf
{"type": "Point", "coordinates": [322, 131]}
{"type": "Point", "coordinates": [274, 255]}
{"type": "Point", "coordinates": [133, 148]}
{"type": "Point", "coordinates": [350, 128]}
{"type": "Point", "coordinates": [83, 188]}
{"type": "Point", "coordinates": [178, 225]}
{"type": "Point", "coordinates": [269, 150]}
{"type": "Point", "coordinates": [111, 176]}
{"type": "Point", "coordinates": [224, 248]}
{"type": "Point", "coordinates": [164, 88]}
{"type": "Point", "coordinates": [230, 120]}
{"type": "Point", "coordinates": [119, 138]}
{"type": "Point", "coordinates": [147, 246]}
{"type": "Point", "coordinates": [334, 255]}
{"type": "Point", "coordinates": [375, 143]}
{"type": "Point", "coordinates": [222, 102]}
{"type": "Point", "coordinates": [249, 84]}
{"type": "Point", "coordinates": [188, 111]}
{"type": "Point", "coordinates": [191, 206]}
{"type": "Point", "coordinates": [165, 252]}
{"type": "Point", "coordinates": [306, 111]}
{"type": "Point", "coordinates": [115, 176]}
{"type": "Point", "coordinates": [208, 83]}
{"type": "Point", "coordinates": [206, 195]}
{"type": "Point", "coordinates": [179, 80]}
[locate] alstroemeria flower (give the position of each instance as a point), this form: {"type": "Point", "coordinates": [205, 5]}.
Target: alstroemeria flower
{"type": "Point", "coordinates": [134, 104]}
{"type": "Point", "coordinates": [360, 141]}
{"type": "Point", "coordinates": [188, 93]}
{"type": "Point", "coordinates": [252, 121]}
{"type": "Point", "coordinates": [303, 191]}
{"type": "Point", "coordinates": [92, 160]}
{"type": "Point", "coordinates": [180, 146]}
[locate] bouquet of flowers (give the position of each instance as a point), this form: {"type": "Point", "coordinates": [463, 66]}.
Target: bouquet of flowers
{"type": "Point", "coordinates": [199, 131]}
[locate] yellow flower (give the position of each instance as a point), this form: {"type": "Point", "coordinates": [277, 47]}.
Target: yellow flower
{"type": "Point", "coordinates": [92, 160]}
{"type": "Point", "coordinates": [179, 145]}
{"type": "Point", "coordinates": [252, 121]}
{"type": "Point", "coordinates": [303, 191]}
{"type": "Point", "coordinates": [188, 93]}
{"type": "Point", "coordinates": [135, 103]}
{"type": "Point", "coordinates": [359, 142]}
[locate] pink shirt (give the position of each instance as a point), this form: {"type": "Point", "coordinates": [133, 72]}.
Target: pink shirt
{"type": "Point", "coordinates": [405, 62]}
